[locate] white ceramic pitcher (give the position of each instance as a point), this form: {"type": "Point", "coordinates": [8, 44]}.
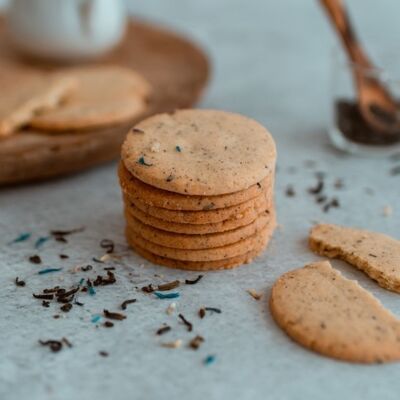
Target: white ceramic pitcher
{"type": "Point", "coordinates": [66, 29]}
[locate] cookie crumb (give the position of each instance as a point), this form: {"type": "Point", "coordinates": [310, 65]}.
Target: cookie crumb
{"type": "Point", "coordinates": [387, 211]}
{"type": "Point", "coordinates": [172, 345]}
{"type": "Point", "coordinates": [254, 294]}
{"type": "Point", "coordinates": [171, 309]}
{"type": "Point", "coordinates": [196, 342]}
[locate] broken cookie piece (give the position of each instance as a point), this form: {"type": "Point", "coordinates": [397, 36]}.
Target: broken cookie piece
{"type": "Point", "coordinates": [25, 93]}
{"type": "Point", "coordinates": [325, 312]}
{"type": "Point", "coordinates": [376, 254]}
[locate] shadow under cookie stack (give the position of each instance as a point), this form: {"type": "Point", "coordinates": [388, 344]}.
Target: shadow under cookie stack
{"type": "Point", "coordinates": [198, 189]}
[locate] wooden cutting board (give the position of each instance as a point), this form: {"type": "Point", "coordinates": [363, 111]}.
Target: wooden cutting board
{"type": "Point", "coordinates": [177, 69]}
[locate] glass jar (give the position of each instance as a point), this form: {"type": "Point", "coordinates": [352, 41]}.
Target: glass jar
{"type": "Point", "coordinates": [348, 130]}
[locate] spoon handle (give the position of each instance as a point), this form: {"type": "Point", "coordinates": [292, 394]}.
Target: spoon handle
{"type": "Point", "coordinates": [341, 22]}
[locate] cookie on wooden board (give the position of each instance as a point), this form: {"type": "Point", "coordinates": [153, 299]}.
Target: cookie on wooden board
{"type": "Point", "coordinates": [196, 229]}
{"type": "Point", "coordinates": [106, 95]}
{"type": "Point", "coordinates": [23, 93]}
{"type": "Point", "coordinates": [199, 152]}
{"type": "Point", "coordinates": [202, 217]}
{"type": "Point", "coordinates": [202, 241]}
{"type": "Point", "coordinates": [226, 263]}
{"type": "Point", "coordinates": [235, 249]}
{"type": "Point", "coordinates": [175, 201]}
{"type": "Point", "coordinates": [327, 313]}
{"type": "Point", "coordinates": [376, 254]}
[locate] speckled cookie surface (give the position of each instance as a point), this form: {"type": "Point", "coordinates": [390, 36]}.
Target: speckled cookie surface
{"type": "Point", "coordinates": [24, 93]}
{"type": "Point", "coordinates": [199, 152]}
{"type": "Point", "coordinates": [204, 241]}
{"type": "Point", "coordinates": [325, 312]}
{"type": "Point", "coordinates": [376, 254]}
{"type": "Point", "coordinates": [226, 263]}
{"type": "Point", "coordinates": [202, 217]}
{"type": "Point", "coordinates": [106, 95]}
{"type": "Point", "coordinates": [248, 217]}
{"type": "Point", "coordinates": [218, 253]}
{"type": "Point", "coordinates": [175, 201]}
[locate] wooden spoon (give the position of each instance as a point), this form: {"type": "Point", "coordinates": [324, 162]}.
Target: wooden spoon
{"type": "Point", "coordinates": [376, 104]}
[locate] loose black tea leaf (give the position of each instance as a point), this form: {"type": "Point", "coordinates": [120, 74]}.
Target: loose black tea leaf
{"type": "Point", "coordinates": [43, 296]}
{"type": "Point", "coordinates": [103, 281]}
{"type": "Point", "coordinates": [168, 286]}
{"type": "Point", "coordinates": [19, 283]}
{"type": "Point", "coordinates": [108, 245]}
{"type": "Point", "coordinates": [213, 309]}
{"type": "Point", "coordinates": [35, 259]}
{"type": "Point", "coordinates": [318, 188]}
{"type": "Point", "coordinates": [66, 307]}
{"type": "Point", "coordinates": [63, 293]}
{"type": "Point", "coordinates": [54, 345]}
{"type": "Point", "coordinates": [290, 191]}
{"type": "Point", "coordinates": [126, 302]}
{"type": "Point", "coordinates": [114, 315]}
{"type": "Point", "coordinates": [188, 324]}
{"type": "Point", "coordinates": [196, 342]}
{"type": "Point", "coordinates": [148, 289]}
{"type": "Point", "coordinates": [193, 282]}
{"type": "Point", "coordinates": [59, 235]}
{"type": "Point", "coordinates": [163, 329]}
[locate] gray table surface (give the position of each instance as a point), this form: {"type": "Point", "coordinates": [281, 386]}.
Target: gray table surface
{"type": "Point", "coordinates": [271, 61]}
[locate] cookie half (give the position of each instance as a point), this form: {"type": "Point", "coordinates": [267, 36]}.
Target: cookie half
{"type": "Point", "coordinates": [376, 254]}
{"type": "Point", "coordinates": [199, 152]}
{"type": "Point", "coordinates": [175, 201]}
{"type": "Point", "coordinates": [327, 313]}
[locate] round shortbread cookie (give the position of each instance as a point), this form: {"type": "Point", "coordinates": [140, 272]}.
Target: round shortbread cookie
{"type": "Point", "coordinates": [182, 241]}
{"type": "Point", "coordinates": [226, 263]}
{"type": "Point", "coordinates": [175, 201]}
{"type": "Point", "coordinates": [325, 312]}
{"type": "Point", "coordinates": [196, 229]}
{"type": "Point", "coordinates": [106, 95]}
{"type": "Point", "coordinates": [199, 152]}
{"type": "Point", "coordinates": [217, 253]}
{"type": "Point", "coordinates": [202, 217]}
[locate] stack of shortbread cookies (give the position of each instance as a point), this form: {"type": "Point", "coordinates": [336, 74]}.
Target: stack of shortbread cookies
{"type": "Point", "coordinates": [198, 189]}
